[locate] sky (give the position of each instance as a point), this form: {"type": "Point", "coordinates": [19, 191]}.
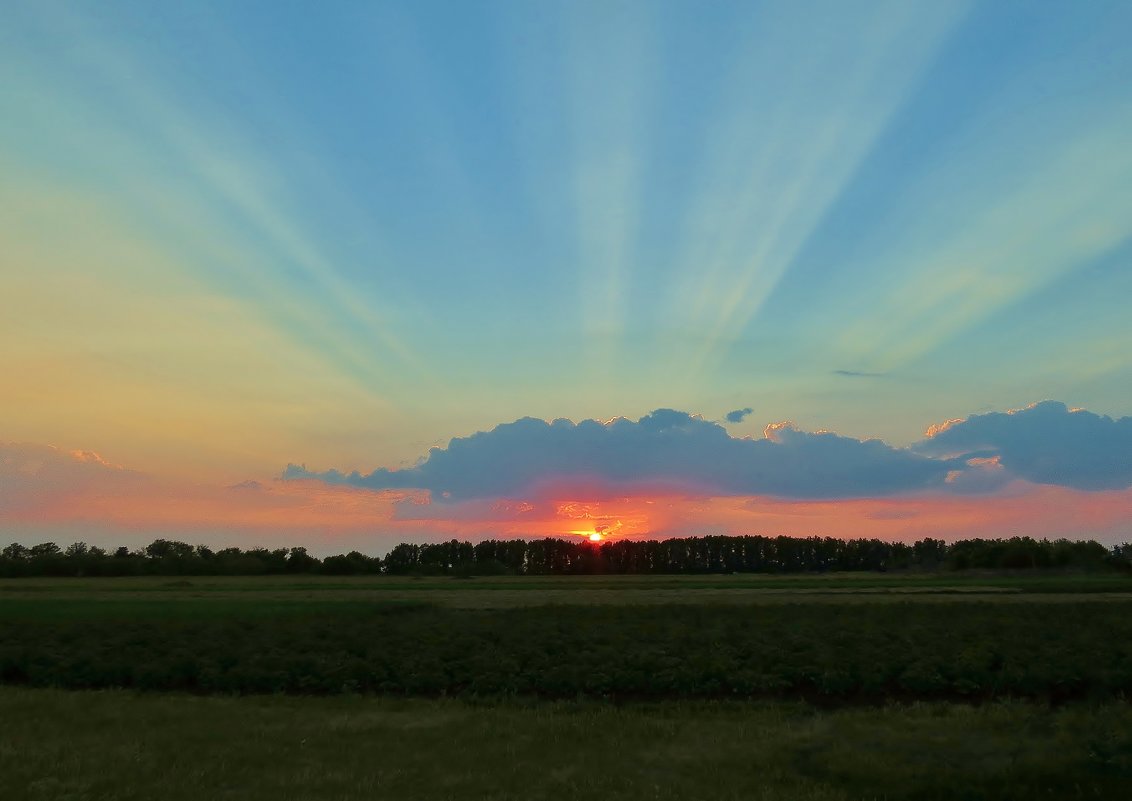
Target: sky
{"type": "Point", "coordinates": [359, 273]}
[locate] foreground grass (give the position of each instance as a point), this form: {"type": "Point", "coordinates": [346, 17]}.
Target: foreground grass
{"type": "Point", "coordinates": [120, 745]}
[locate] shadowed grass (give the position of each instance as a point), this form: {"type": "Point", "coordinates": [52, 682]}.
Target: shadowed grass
{"type": "Point", "coordinates": [506, 592]}
{"type": "Point", "coordinates": [119, 745]}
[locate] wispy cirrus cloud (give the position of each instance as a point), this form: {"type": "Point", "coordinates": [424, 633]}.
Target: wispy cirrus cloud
{"type": "Point", "coordinates": [35, 477]}
{"type": "Point", "coordinates": [67, 495]}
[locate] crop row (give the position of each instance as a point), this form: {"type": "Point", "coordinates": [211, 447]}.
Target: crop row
{"type": "Point", "coordinates": [858, 652]}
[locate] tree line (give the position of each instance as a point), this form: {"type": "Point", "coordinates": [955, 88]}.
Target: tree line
{"type": "Point", "coordinates": [543, 557]}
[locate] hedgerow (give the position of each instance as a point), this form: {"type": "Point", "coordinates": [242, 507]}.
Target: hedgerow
{"type": "Point", "coordinates": [859, 652]}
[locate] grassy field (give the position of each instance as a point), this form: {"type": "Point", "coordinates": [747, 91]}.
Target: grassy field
{"type": "Point", "coordinates": [802, 687]}
{"type": "Point", "coordinates": [496, 592]}
{"type": "Point", "coordinates": [118, 745]}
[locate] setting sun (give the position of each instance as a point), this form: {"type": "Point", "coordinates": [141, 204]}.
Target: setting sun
{"type": "Point", "coordinates": [596, 537]}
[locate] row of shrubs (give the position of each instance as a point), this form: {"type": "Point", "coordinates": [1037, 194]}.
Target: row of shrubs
{"type": "Point", "coordinates": [840, 653]}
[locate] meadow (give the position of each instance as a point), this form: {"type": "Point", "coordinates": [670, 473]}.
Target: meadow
{"type": "Point", "coordinates": [991, 684]}
{"type": "Point", "coordinates": [131, 746]}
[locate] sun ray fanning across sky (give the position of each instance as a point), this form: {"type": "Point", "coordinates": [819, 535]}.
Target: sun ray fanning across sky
{"type": "Point", "coordinates": [564, 268]}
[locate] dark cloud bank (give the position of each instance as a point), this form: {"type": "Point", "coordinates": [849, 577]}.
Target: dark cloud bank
{"type": "Point", "coordinates": [1045, 443]}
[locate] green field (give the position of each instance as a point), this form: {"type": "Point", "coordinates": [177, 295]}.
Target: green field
{"type": "Point", "coordinates": [499, 592]}
{"type": "Point", "coordinates": [117, 745]}
{"type": "Point", "coordinates": [738, 686]}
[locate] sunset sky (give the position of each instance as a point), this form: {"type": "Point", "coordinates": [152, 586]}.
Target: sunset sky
{"type": "Point", "coordinates": [349, 274]}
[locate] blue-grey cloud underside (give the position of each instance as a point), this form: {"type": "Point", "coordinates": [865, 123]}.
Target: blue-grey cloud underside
{"type": "Point", "coordinates": [1046, 443]}
{"type": "Point", "coordinates": [669, 448]}
{"type": "Point", "coordinates": [738, 415]}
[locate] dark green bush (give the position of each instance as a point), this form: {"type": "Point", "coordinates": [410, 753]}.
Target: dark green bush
{"type": "Point", "coordinates": [862, 651]}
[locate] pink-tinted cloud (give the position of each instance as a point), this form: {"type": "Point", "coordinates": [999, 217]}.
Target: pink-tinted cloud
{"type": "Point", "coordinates": [79, 494]}
{"type": "Point", "coordinates": [34, 478]}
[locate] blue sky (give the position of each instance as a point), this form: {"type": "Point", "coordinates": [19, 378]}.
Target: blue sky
{"type": "Point", "coordinates": [247, 234]}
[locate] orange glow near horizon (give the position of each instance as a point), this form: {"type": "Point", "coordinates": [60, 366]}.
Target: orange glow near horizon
{"type": "Point", "coordinates": [68, 496]}
{"type": "Point", "coordinates": [588, 533]}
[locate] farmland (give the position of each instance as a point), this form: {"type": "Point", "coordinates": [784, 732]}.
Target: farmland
{"type": "Point", "coordinates": [496, 592]}
{"type": "Point", "coordinates": [722, 686]}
